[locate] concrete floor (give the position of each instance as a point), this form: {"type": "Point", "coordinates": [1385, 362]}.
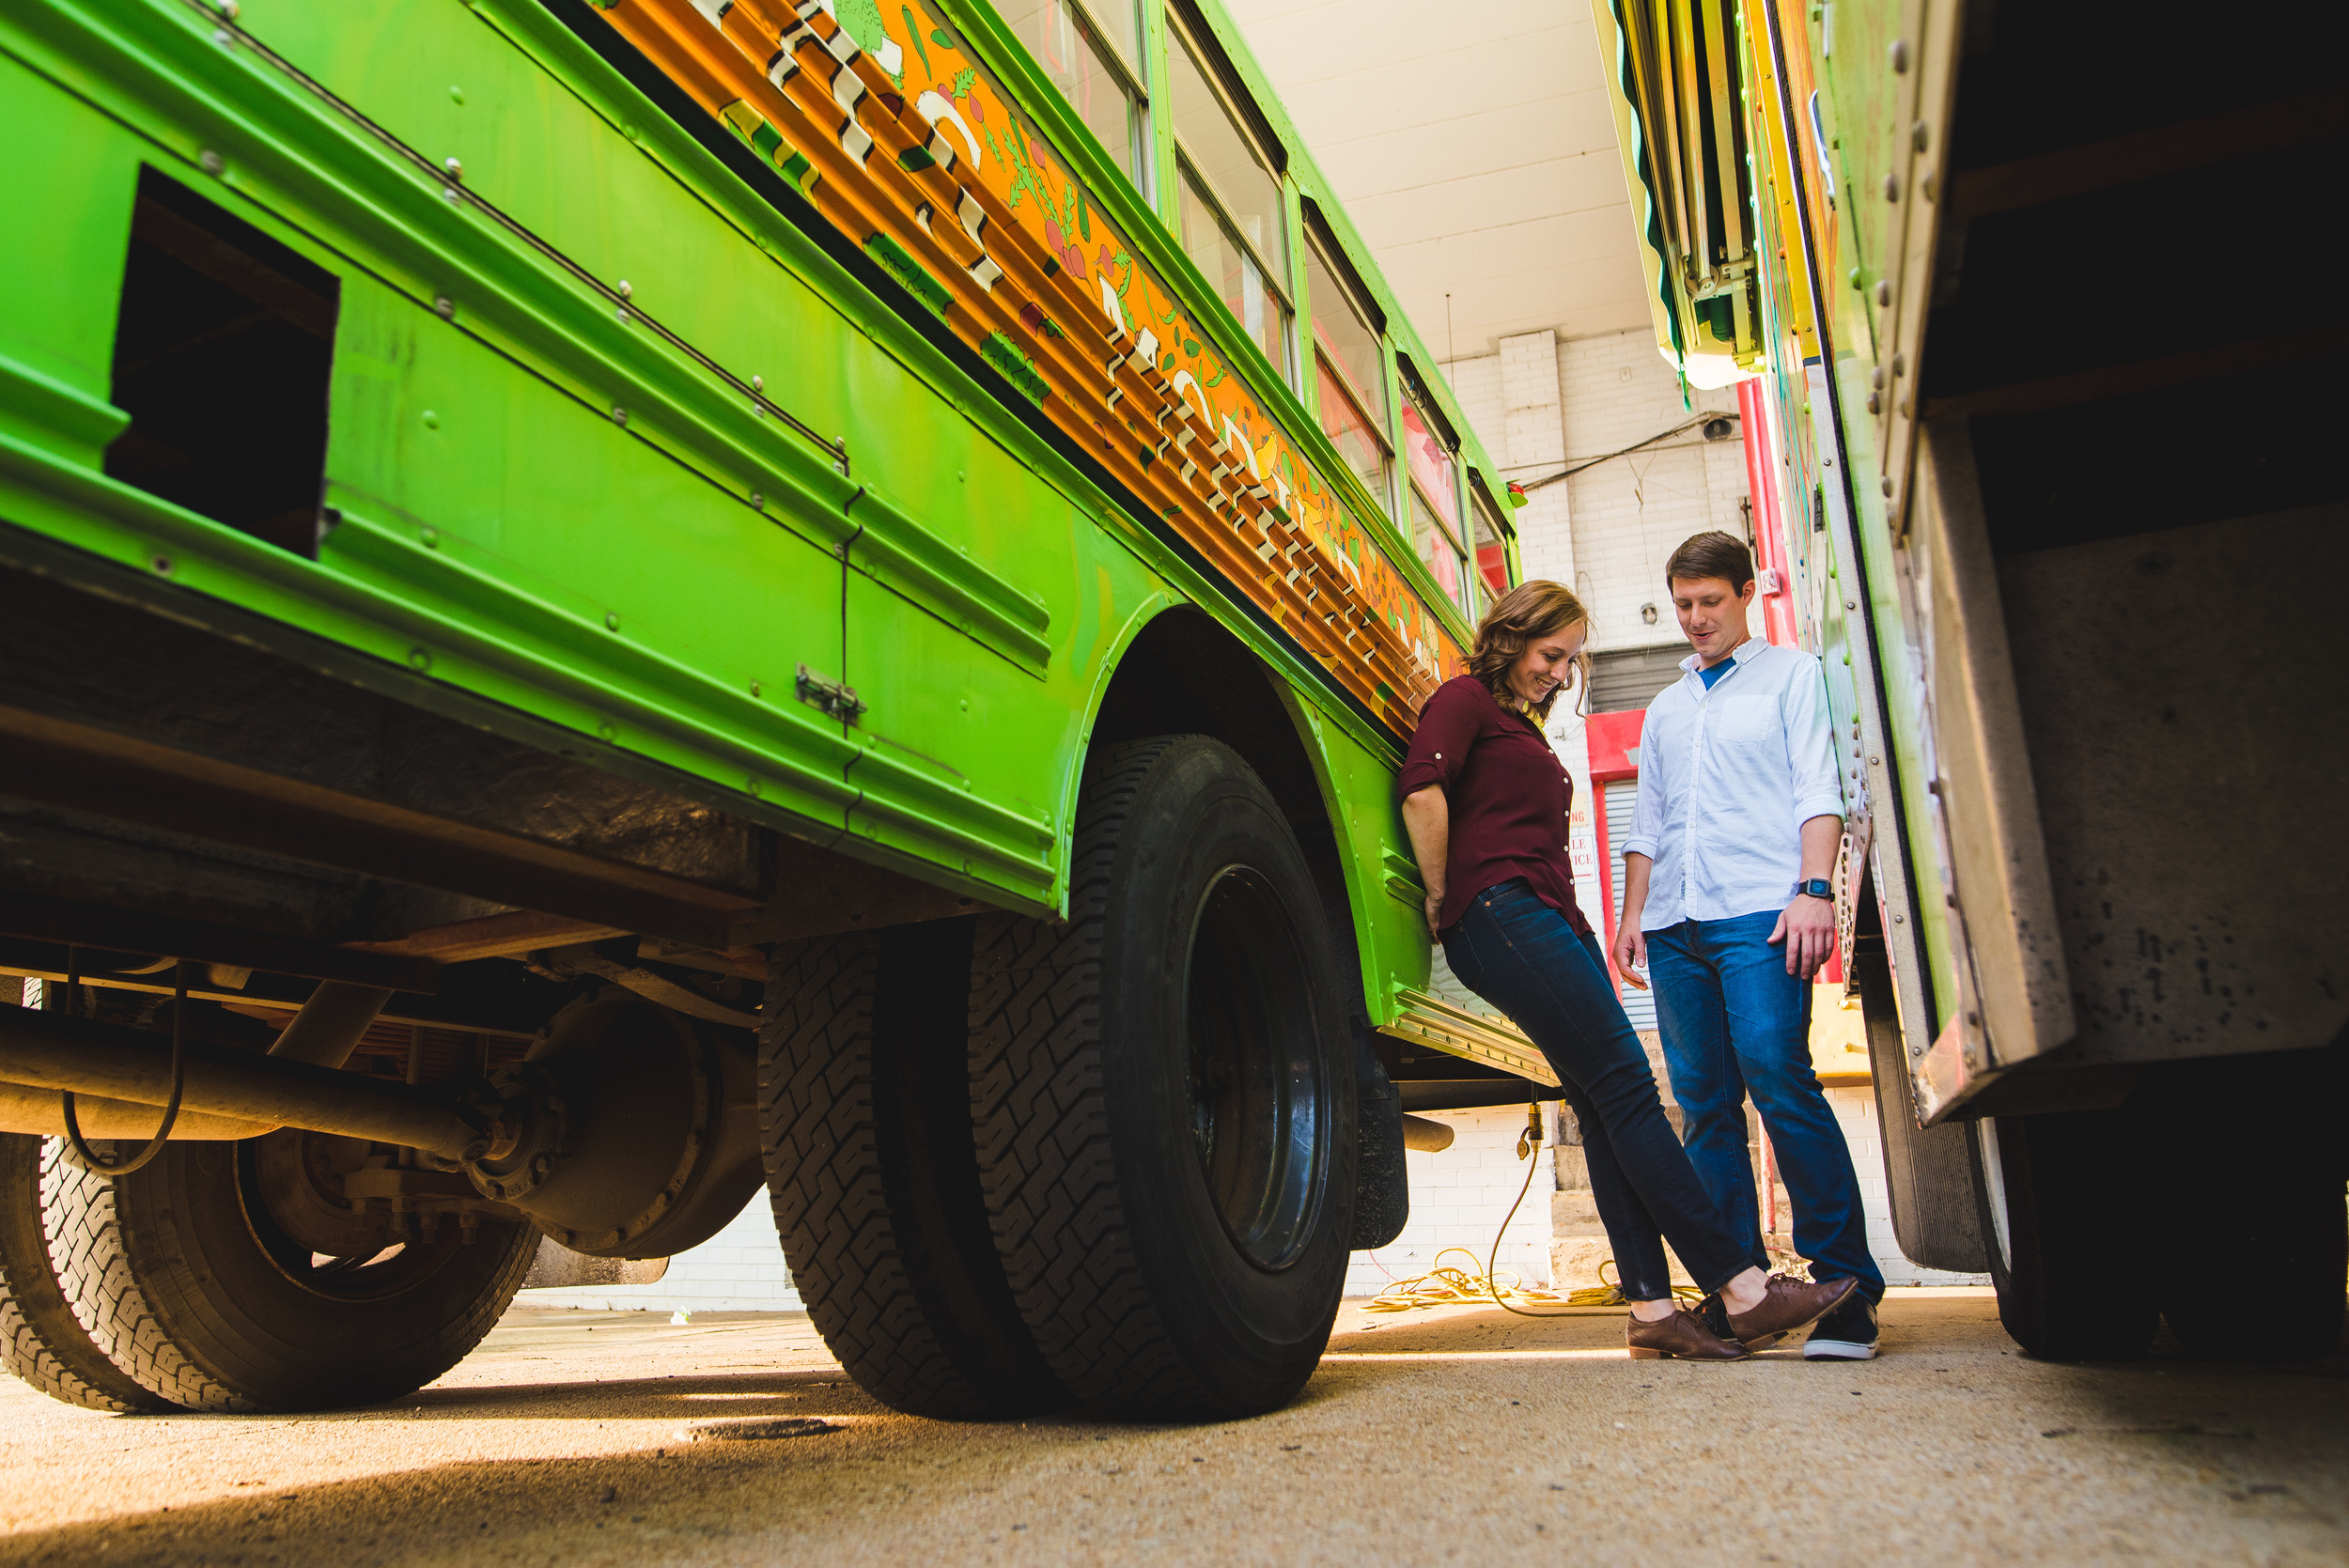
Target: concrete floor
{"type": "Point", "coordinates": [1461, 1436]}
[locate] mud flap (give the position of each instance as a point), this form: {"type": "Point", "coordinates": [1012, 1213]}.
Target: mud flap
{"type": "Point", "coordinates": [1937, 1217]}
{"type": "Point", "coordinates": [1382, 1200]}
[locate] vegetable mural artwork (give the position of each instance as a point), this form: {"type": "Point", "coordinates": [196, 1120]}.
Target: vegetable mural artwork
{"type": "Point", "coordinates": [898, 136]}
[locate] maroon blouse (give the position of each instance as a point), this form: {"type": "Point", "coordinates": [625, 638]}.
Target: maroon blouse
{"type": "Point", "coordinates": [1508, 795]}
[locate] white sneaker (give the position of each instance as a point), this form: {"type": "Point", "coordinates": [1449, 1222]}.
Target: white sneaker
{"type": "Point", "coordinates": [1846, 1334]}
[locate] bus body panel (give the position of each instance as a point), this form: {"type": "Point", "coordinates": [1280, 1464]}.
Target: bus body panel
{"type": "Point", "coordinates": [569, 507]}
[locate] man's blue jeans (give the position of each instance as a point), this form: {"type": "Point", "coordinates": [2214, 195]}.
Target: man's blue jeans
{"type": "Point", "coordinates": [1735, 1022]}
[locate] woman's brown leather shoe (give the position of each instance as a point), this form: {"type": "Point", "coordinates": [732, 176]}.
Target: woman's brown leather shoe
{"type": "Point", "coordinates": [1786, 1305]}
{"type": "Point", "coordinates": [1683, 1335]}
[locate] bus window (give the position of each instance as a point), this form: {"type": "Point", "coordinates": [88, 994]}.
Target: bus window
{"type": "Point", "coordinates": [1350, 376]}
{"type": "Point", "coordinates": [1234, 223]}
{"type": "Point", "coordinates": [1435, 507]}
{"type": "Point", "coordinates": [1430, 464]}
{"type": "Point", "coordinates": [1441, 551]}
{"type": "Point", "coordinates": [1492, 556]}
{"type": "Point", "coordinates": [1088, 53]}
{"type": "Point", "coordinates": [1236, 274]}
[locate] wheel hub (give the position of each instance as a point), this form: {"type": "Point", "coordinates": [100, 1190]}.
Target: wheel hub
{"type": "Point", "coordinates": [1255, 1098]}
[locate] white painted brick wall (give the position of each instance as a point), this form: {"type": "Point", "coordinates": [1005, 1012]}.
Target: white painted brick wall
{"type": "Point", "coordinates": [1476, 387]}
{"type": "Point", "coordinates": [1629, 514]}
{"type": "Point", "coordinates": [741, 1269]}
{"type": "Point", "coordinates": [1606, 531]}
{"type": "Point", "coordinates": [1459, 1198]}
{"type": "Point", "coordinates": [1530, 393]}
{"type": "Point", "coordinates": [1512, 399]}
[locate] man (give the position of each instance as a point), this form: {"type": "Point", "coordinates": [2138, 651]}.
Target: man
{"type": "Point", "coordinates": [1727, 904]}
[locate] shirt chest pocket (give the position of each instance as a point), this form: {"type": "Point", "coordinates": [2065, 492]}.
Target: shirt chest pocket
{"type": "Point", "coordinates": [1746, 723]}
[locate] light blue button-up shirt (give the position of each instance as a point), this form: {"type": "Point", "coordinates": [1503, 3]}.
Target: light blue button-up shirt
{"type": "Point", "coordinates": [1727, 779]}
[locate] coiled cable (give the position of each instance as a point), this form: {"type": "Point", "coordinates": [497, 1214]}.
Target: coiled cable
{"type": "Point", "coordinates": [113, 1165]}
{"type": "Point", "coordinates": [1459, 1287]}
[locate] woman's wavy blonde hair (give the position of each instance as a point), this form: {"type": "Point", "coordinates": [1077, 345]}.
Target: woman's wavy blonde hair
{"type": "Point", "coordinates": [1526, 614]}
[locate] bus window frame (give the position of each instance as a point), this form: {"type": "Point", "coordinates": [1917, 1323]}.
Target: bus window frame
{"type": "Point", "coordinates": [1482, 510]}
{"type": "Point", "coordinates": [1463, 561]}
{"type": "Point", "coordinates": [1186, 170]}
{"type": "Point", "coordinates": [1187, 175]}
{"type": "Point", "coordinates": [1454, 533]}
{"type": "Point", "coordinates": [1140, 161]}
{"type": "Point", "coordinates": [1379, 427]}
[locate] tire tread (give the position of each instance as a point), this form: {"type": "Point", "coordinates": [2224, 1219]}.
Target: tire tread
{"type": "Point", "coordinates": [826, 1182]}
{"type": "Point", "coordinates": [1038, 1104]}
{"type": "Point", "coordinates": [41, 1341]}
{"type": "Point", "coordinates": [87, 1247]}
{"type": "Point", "coordinates": [118, 1262]}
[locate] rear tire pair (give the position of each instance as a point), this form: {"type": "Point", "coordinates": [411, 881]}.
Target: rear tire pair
{"type": "Point", "coordinates": [40, 1340]}
{"type": "Point", "coordinates": [1018, 1164]}
{"type": "Point", "coordinates": [196, 1283]}
{"type": "Point", "coordinates": [2082, 1216]}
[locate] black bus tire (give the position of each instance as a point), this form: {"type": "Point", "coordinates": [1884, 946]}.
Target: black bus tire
{"type": "Point", "coordinates": [2283, 1219]}
{"type": "Point", "coordinates": [2062, 1221]}
{"type": "Point", "coordinates": [190, 1282]}
{"type": "Point", "coordinates": [1139, 1072]}
{"type": "Point", "coordinates": [865, 1118]}
{"type": "Point", "coordinates": [41, 1340]}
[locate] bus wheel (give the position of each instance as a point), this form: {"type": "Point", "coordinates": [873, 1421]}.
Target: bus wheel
{"type": "Point", "coordinates": [864, 1114]}
{"type": "Point", "coordinates": [1165, 1095]}
{"type": "Point", "coordinates": [2279, 1209]}
{"type": "Point", "coordinates": [2064, 1233]}
{"type": "Point", "coordinates": [231, 1277]}
{"type": "Point", "coordinates": [41, 1340]}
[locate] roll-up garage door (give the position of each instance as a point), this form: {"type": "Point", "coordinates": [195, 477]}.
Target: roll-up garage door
{"type": "Point", "coordinates": [1621, 798]}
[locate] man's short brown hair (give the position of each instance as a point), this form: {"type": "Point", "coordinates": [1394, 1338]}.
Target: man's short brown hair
{"type": "Point", "coordinates": [1711, 554]}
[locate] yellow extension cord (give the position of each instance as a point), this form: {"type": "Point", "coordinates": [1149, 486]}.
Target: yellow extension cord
{"type": "Point", "coordinates": [1458, 1287]}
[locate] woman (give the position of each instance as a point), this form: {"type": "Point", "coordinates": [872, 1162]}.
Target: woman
{"type": "Point", "coordinates": [1485, 800]}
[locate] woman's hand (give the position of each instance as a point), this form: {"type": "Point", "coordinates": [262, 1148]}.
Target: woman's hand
{"type": "Point", "coordinates": [1427, 818]}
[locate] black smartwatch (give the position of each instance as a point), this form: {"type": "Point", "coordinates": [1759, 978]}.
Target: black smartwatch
{"type": "Point", "coordinates": [1817, 887]}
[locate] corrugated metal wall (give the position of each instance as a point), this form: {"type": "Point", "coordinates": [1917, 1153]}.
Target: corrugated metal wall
{"type": "Point", "coordinates": [1622, 797]}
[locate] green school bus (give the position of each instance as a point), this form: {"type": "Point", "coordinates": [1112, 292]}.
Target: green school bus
{"type": "Point", "coordinates": [1988, 277]}
{"type": "Point", "coordinates": [606, 603]}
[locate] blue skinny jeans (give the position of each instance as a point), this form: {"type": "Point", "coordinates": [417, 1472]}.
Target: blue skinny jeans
{"type": "Point", "coordinates": [1735, 1022]}
{"type": "Point", "coordinates": [1525, 958]}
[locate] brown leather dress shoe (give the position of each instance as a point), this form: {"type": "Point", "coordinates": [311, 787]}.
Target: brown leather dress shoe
{"type": "Point", "coordinates": [1786, 1305]}
{"type": "Point", "coordinates": [1683, 1335]}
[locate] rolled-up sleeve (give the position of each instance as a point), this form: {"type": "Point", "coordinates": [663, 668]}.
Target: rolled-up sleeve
{"type": "Point", "coordinates": [1648, 812]}
{"type": "Point", "coordinates": [1447, 730]}
{"type": "Point", "coordinates": [1818, 782]}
